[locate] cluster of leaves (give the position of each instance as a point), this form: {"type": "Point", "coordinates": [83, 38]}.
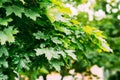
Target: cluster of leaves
{"type": "Point", "coordinates": [112, 30]}
{"type": "Point", "coordinates": [39, 36]}
{"type": "Point", "coordinates": [111, 27]}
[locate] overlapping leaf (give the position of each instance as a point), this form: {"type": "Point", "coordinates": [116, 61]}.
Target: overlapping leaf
{"type": "Point", "coordinates": [5, 21]}
{"type": "Point", "coordinates": [14, 9]}
{"type": "Point", "coordinates": [49, 53]}
{"type": "Point", "coordinates": [17, 10]}
{"type": "Point", "coordinates": [7, 35]}
{"type": "Point", "coordinates": [40, 35]}
{"type": "Point", "coordinates": [3, 51]}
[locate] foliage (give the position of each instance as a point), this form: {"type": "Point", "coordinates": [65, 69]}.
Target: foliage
{"type": "Point", "coordinates": [109, 24]}
{"type": "Point", "coordinates": [111, 29]}
{"type": "Point", "coordinates": [40, 36]}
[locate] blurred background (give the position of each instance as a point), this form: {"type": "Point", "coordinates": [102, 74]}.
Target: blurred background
{"type": "Point", "coordinates": [105, 15]}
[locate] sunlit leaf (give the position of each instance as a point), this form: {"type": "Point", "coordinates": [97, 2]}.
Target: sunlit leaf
{"type": "Point", "coordinates": [88, 29]}
{"type": "Point", "coordinates": [71, 54]}
{"type": "Point", "coordinates": [7, 35]}
{"type": "Point", "coordinates": [43, 70]}
{"type": "Point", "coordinates": [40, 35]}
{"type": "Point", "coordinates": [23, 1]}
{"type": "Point", "coordinates": [63, 29]}
{"type": "Point", "coordinates": [56, 2]}
{"type": "Point", "coordinates": [4, 21]}
{"type": "Point", "coordinates": [49, 53]}
{"type": "Point", "coordinates": [65, 10]}
{"type": "Point", "coordinates": [56, 40]}
{"type": "Point", "coordinates": [57, 65]}
{"type": "Point", "coordinates": [105, 45]}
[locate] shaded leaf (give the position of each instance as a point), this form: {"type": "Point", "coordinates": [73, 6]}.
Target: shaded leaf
{"type": "Point", "coordinates": [3, 1]}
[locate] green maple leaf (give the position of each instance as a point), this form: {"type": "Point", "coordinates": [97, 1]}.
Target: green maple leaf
{"type": "Point", "coordinates": [49, 53]}
{"type": "Point", "coordinates": [4, 51]}
{"type": "Point", "coordinates": [39, 51]}
{"type": "Point", "coordinates": [4, 21]}
{"type": "Point", "coordinates": [4, 62]}
{"type": "Point", "coordinates": [57, 64]}
{"type": "Point", "coordinates": [23, 64]}
{"type": "Point", "coordinates": [14, 9]}
{"type": "Point", "coordinates": [7, 35]}
{"type": "Point", "coordinates": [62, 53]}
{"type": "Point", "coordinates": [3, 38]}
{"type": "Point", "coordinates": [71, 54]}
{"type": "Point", "coordinates": [31, 14]}
{"type": "Point", "coordinates": [40, 35]}
{"type": "Point", "coordinates": [63, 29]}
{"type": "Point", "coordinates": [56, 40]}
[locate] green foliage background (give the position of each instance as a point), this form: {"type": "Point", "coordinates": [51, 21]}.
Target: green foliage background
{"type": "Point", "coordinates": [111, 27]}
{"type": "Point", "coordinates": [40, 36]}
